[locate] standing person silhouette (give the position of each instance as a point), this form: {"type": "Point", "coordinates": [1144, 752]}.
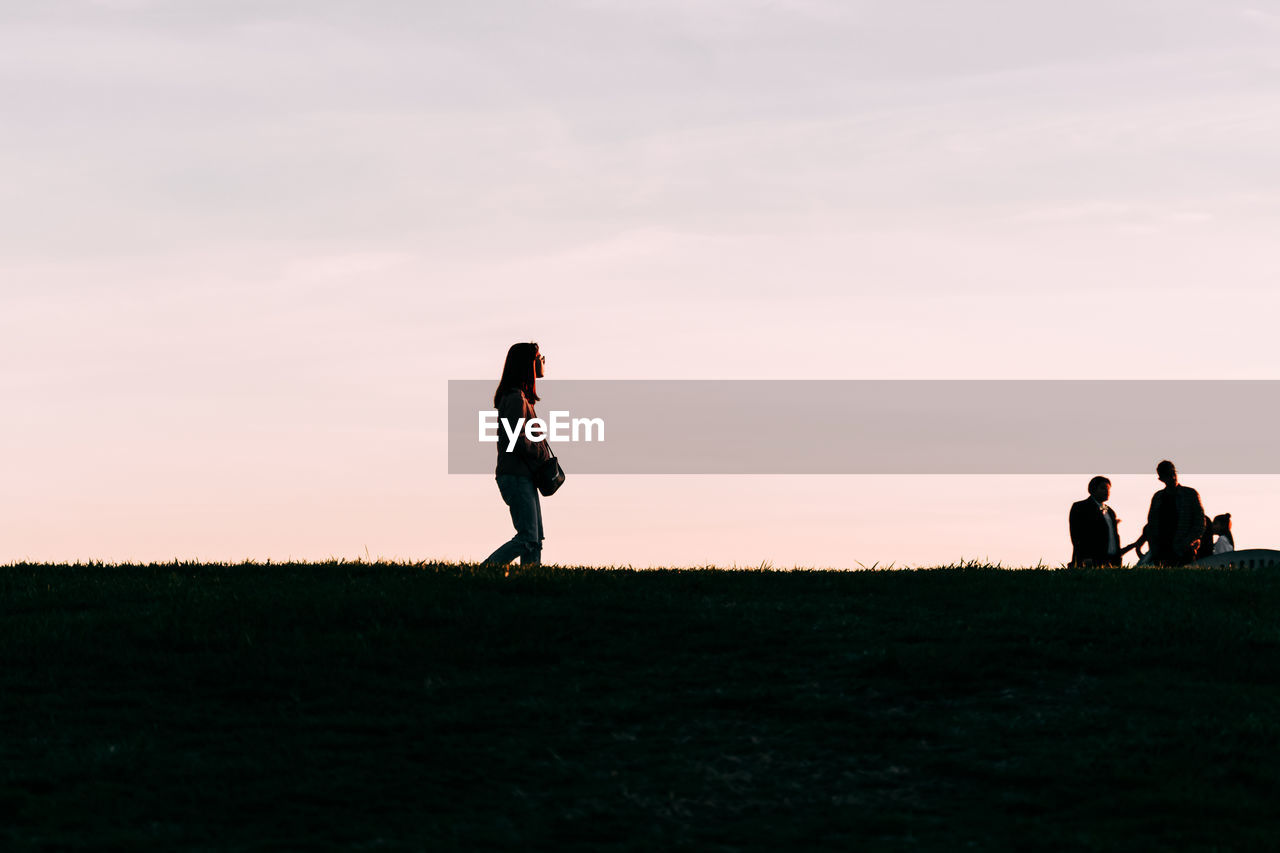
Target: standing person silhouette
{"type": "Point", "coordinates": [517, 392]}
{"type": "Point", "coordinates": [1095, 536]}
{"type": "Point", "coordinates": [1175, 522]}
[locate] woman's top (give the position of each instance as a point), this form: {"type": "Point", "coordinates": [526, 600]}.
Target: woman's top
{"type": "Point", "coordinates": [1223, 545]}
{"type": "Point", "coordinates": [527, 455]}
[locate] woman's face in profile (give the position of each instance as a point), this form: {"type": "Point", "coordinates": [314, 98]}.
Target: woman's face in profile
{"type": "Point", "coordinates": [538, 361]}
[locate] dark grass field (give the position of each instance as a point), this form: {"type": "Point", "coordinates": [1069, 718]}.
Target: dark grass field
{"type": "Point", "coordinates": [440, 707]}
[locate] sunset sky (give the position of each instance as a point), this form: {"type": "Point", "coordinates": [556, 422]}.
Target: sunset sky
{"type": "Point", "coordinates": [244, 246]}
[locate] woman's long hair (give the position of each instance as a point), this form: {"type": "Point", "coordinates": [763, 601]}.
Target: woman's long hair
{"type": "Point", "coordinates": [518, 373]}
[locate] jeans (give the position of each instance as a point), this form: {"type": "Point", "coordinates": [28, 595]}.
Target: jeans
{"type": "Point", "coordinates": [521, 497]}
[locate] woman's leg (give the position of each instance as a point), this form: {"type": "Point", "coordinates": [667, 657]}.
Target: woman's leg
{"type": "Point", "coordinates": [521, 497]}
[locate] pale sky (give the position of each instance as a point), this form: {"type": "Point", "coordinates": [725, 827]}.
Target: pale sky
{"type": "Point", "coordinates": [244, 245]}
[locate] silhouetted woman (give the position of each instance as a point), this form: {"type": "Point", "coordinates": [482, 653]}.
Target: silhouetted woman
{"type": "Point", "coordinates": [1226, 541]}
{"type": "Point", "coordinates": [514, 399]}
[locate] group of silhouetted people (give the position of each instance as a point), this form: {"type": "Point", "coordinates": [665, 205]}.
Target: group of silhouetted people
{"type": "Point", "coordinates": [1177, 531]}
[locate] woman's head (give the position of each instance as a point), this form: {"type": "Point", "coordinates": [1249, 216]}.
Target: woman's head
{"type": "Point", "coordinates": [1222, 524]}
{"type": "Point", "coordinates": [521, 371]}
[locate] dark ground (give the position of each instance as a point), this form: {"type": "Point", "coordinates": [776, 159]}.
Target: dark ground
{"type": "Point", "coordinates": [444, 707]}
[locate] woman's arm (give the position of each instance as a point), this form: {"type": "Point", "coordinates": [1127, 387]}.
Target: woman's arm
{"type": "Point", "coordinates": [513, 410]}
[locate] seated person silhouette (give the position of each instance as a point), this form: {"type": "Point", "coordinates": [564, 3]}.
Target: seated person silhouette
{"type": "Point", "coordinates": [1226, 540]}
